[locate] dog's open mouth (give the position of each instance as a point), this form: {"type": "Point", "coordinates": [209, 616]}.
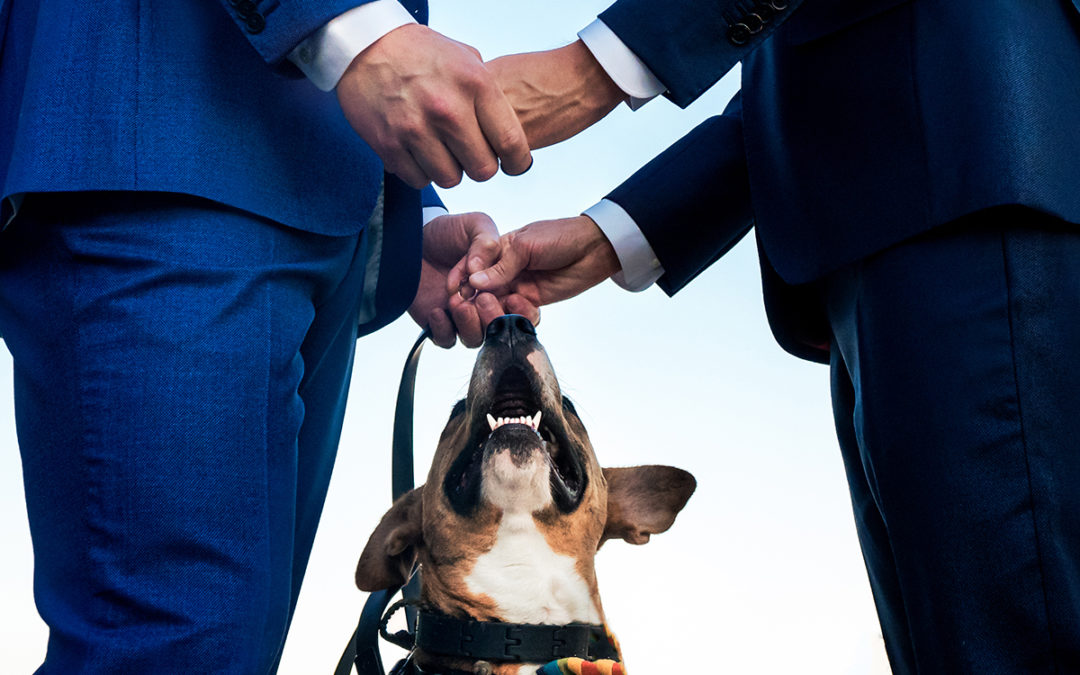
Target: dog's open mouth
{"type": "Point", "coordinates": [513, 415]}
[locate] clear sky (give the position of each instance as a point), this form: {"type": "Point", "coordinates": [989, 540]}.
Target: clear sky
{"type": "Point", "coordinates": [760, 574]}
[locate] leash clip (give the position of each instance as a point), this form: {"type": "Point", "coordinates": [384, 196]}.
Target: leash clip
{"type": "Point", "coordinates": [402, 638]}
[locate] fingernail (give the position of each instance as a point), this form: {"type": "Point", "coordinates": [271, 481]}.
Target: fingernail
{"type": "Point", "coordinates": [479, 279]}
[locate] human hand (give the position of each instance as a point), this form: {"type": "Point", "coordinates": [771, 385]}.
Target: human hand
{"type": "Point", "coordinates": [556, 93]}
{"type": "Point", "coordinates": [430, 109]}
{"type": "Point", "coordinates": [472, 239]}
{"type": "Point", "coordinates": [545, 262]}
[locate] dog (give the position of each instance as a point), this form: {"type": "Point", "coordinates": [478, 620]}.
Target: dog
{"type": "Point", "coordinates": [506, 528]}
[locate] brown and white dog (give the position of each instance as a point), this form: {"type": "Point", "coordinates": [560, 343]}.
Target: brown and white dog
{"type": "Point", "coordinates": [515, 506]}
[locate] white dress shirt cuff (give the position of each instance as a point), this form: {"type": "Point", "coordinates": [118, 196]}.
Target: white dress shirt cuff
{"type": "Point", "coordinates": [433, 212]}
{"type": "Point", "coordinates": [622, 65]}
{"type": "Point", "coordinates": [640, 267]}
{"type": "Point", "coordinates": [325, 54]}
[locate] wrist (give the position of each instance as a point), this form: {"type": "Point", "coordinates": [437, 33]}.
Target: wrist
{"type": "Point", "coordinates": [598, 247]}
{"type": "Point", "coordinates": [325, 55]}
{"type": "Point", "coordinates": [596, 91]}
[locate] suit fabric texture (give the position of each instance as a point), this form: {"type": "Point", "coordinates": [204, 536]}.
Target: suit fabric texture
{"type": "Point", "coordinates": [195, 237]}
{"type": "Point", "coordinates": [909, 165]}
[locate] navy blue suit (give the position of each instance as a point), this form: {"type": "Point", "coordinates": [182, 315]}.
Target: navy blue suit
{"type": "Point", "coordinates": [912, 169]}
{"type": "Point", "coordinates": [198, 240]}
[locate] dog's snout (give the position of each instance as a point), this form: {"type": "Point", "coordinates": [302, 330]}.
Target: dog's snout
{"type": "Point", "coordinates": [509, 326]}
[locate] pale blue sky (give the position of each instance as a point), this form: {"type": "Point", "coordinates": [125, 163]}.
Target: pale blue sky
{"type": "Point", "coordinates": [760, 574]}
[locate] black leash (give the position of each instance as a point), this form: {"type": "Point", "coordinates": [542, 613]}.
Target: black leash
{"type": "Point", "coordinates": [363, 647]}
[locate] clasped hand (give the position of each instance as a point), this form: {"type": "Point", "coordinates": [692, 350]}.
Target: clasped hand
{"type": "Point", "coordinates": [470, 275]}
{"type": "Point", "coordinates": [430, 109]}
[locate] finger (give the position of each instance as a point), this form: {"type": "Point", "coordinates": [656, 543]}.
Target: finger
{"type": "Point", "coordinates": [500, 275]}
{"type": "Point", "coordinates": [436, 161]}
{"type": "Point", "coordinates": [401, 164]}
{"type": "Point", "coordinates": [467, 321]}
{"type": "Point", "coordinates": [502, 129]}
{"type": "Point", "coordinates": [489, 308]}
{"type": "Point", "coordinates": [471, 149]}
{"type": "Point", "coordinates": [519, 304]}
{"type": "Point", "coordinates": [457, 281]}
{"type": "Point", "coordinates": [442, 329]}
{"type": "Point", "coordinates": [484, 247]}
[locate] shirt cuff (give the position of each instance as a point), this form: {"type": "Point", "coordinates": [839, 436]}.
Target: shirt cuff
{"type": "Point", "coordinates": [622, 65]}
{"type": "Point", "coordinates": [325, 55]}
{"type": "Point", "coordinates": [640, 267]}
{"type": "Point", "coordinates": [433, 212]}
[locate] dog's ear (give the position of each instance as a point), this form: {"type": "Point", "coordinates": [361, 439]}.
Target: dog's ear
{"type": "Point", "coordinates": [390, 553]}
{"type": "Point", "coordinates": [644, 500]}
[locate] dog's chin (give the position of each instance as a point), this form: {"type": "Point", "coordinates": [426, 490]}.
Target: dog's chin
{"type": "Point", "coordinates": [516, 471]}
{"type": "Point", "coordinates": [541, 457]}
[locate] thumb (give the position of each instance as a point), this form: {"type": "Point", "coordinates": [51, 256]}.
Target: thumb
{"type": "Point", "coordinates": [502, 274]}
{"type": "Point", "coordinates": [484, 247]}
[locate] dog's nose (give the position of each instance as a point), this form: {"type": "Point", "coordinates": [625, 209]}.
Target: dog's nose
{"type": "Point", "coordinates": [507, 326]}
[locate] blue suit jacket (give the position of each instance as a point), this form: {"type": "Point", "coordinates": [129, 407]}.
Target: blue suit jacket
{"type": "Point", "coordinates": [193, 97]}
{"type": "Point", "coordinates": [860, 123]}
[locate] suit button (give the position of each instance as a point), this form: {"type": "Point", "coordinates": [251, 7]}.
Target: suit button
{"type": "Point", "coordinates": [778, 5]}
{"type": "Point", "coordinates": [754, 23]}
{"type": "Point", "coordinates": [739, 34]}
{"type": "Point", "coordinates": [765, 12]}
{"type": "Point", "coordinates": [255, 23]}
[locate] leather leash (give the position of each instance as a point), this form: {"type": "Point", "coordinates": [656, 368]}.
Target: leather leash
{"type": "Point", "coordinates": [363, 647]}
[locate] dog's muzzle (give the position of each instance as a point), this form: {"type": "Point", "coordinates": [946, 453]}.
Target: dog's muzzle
{"type": "Point", "coordinates": [514, 404]}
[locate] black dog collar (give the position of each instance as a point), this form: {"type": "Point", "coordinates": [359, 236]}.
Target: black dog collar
{"type": "Point", "coordinates": [445, 635]}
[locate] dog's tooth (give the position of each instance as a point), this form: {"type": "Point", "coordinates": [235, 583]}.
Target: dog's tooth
{"type": "Point", "coordinates": [491, 421]}
{"type": "Point", "coordinates": [536, 421]}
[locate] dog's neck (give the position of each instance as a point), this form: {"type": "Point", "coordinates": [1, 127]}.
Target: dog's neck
{"type": "Point", "coordinates": [518, 566]}
{"type": "Point", "coordinates": [516, 575]}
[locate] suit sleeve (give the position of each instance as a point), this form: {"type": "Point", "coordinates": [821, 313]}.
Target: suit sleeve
{"type": "Point", "coordinates": [689, 45]}
{"type": "Point", "coordinates": [429, 198]}
{"type": "Point", "coordinates": [692, 202]}
{"type": "Point", "coordinates": [275, 27]}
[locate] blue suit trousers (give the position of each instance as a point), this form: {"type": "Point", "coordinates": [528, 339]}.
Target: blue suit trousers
{"type": "Point", "coordinates": [180, 369]}
{"type": "Point", "coordinates": [955, 362]}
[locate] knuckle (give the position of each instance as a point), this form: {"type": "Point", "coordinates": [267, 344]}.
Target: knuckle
{"type": "Point", "coordinates": [484, 170]}
{"type": "Point", "coordinates": [408, 130]}
{"type": "Point", "coordinates": [448, 180]}
{"type": "Point", "coordinates": [475, 75]}
{"type": "Point", "coordinates": [410, 133]}
{"type": "Point", "coordinates": [513, 144]}
{"type": "Point", "coordinates": [442, 111]}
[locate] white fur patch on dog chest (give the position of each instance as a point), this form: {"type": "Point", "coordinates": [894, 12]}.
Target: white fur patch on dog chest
{"type": "Point", "coordinates": [528, 581]}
